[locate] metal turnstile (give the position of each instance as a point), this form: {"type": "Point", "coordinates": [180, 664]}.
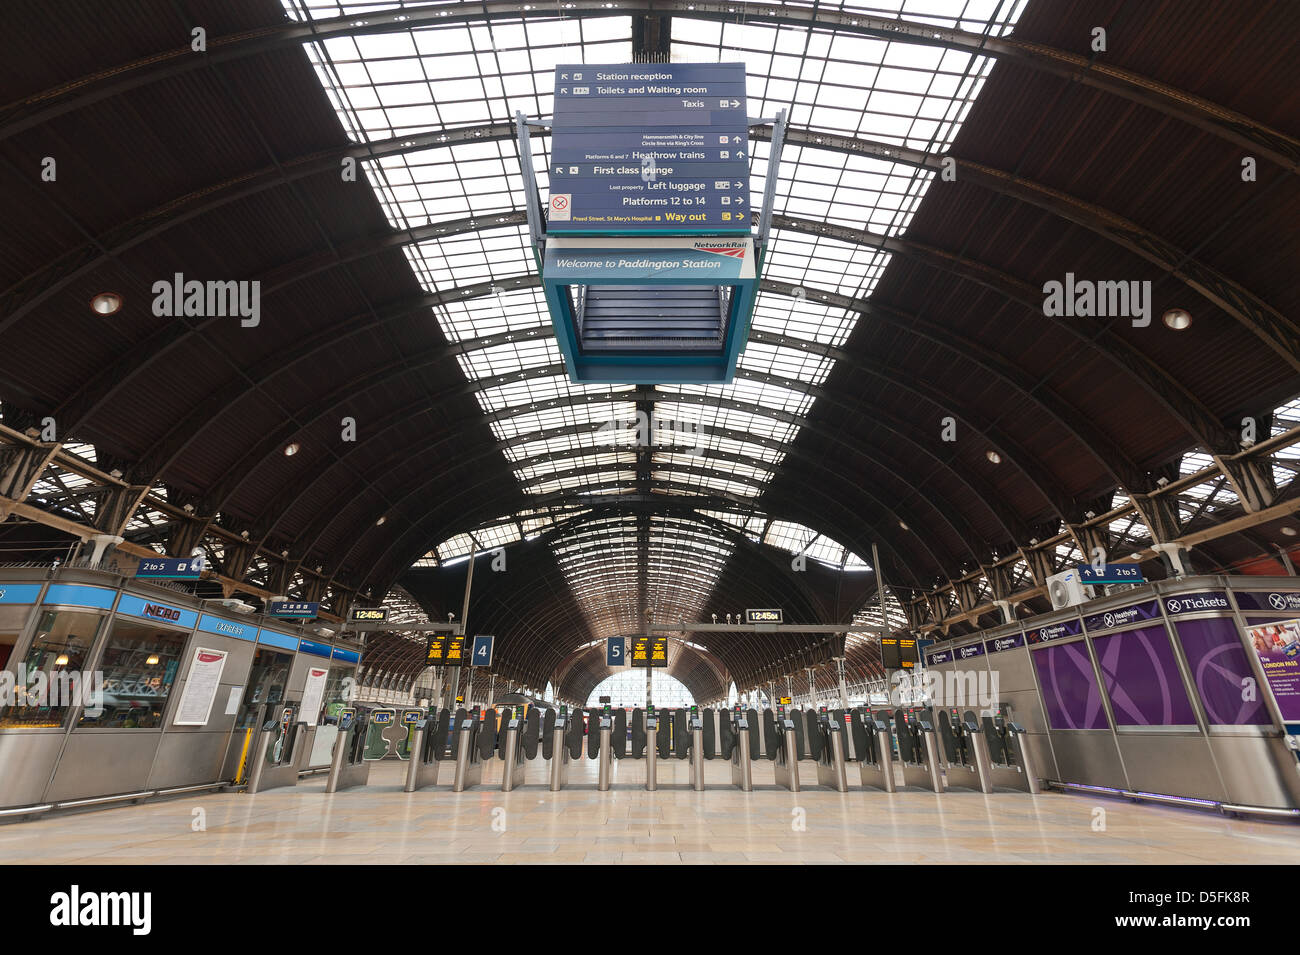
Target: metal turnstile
{"type": "Point", "coordinates": [786, 765]}
{"type": "Point", "coordinates": [512, 749]}
{"type": "Point", "coordinates": [1011, 764]}
{"type": "Point", "coordinates": [918, 750]}
{"type": "Point", "coordinates": [831, 771]}
{"type": "Point", "coordinates": [348, 765]}
{"type": "Point", "coordinates": [561, 737]}
{"type": "Point", "coordinates": [965, 764]}
{"type": "Point", "coordinates": [652, 750]}
{"type": "Point", "coordinates": [426, 750]}
{"type": "Point", "coordinates": [697, 751]}
{"type": "Point", "coordinates": [742, 770]}
{"type": "Point", "coordinates": [603, 731]}
{"type": "Point", "coordinates": [875, 753]}
{"type": "Point", "coordinates": [276, 749]}
{"type": "Point", "coordinates": [469, 764]}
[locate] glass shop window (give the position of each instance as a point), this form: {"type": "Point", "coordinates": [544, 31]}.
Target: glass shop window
{"type": "Point", "coordinates": [51, 677]}
{"type": "Point", "coordinates": [139, 665]}
{"type": "Point", "coordinates": [266, 684]}
{"type": "Point", "coordinates": [337, 694]}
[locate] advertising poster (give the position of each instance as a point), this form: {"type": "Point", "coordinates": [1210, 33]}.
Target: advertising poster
{"type": "Point", "coordinates": [1278, 647]}
{"type": "Point", "coordinates": [313, 694]}
{"type": "Point", "coordinates": [200, 687]}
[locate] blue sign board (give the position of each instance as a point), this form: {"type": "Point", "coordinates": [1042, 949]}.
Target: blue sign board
{"type": "Point", "coordinates": [19, 593]}
{"type": "Point", "coordinates": [170, 568]}
{"type": "Point", "coordinates": [75, 595]}
{"type": "Point", "coordinates": [347, 656]}
{"type": "Point", "coordinates": [228, 628]}
{"type": "Point", "coordinates": [615, 652]}
{"type": "Point", "coordinates": [153, 610]}
{"type": "Point", "coordinates": [650, 147]}
{"type": "Point", "coordinates": [302, 609]}
{"type": "Point", "coordinates": [315, 649]}
{"type": "Point", "coordinates": [1110, 574]}
{"type": "Point", "coordinates": [481, 654]}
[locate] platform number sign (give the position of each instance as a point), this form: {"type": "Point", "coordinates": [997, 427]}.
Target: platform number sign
{"type": "Point", "coordinates": [481, 654]}
{"type": "Point", "coordinates": [615, 652]}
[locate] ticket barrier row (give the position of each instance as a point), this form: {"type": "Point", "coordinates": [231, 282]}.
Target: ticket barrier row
{"type": "Point", "coordinates": [275, 750]}
{"type": "Point", "coordinates": [933, 749]}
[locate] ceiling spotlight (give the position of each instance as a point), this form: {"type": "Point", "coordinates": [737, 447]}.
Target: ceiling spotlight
{"type": "Point", "coordinates": [1033, 542]}
{"type": "Point", "coordinates": [993, 456]}
{"type": "Point", "coordinates": [903, 525]}
{"type": "Point", "coordinates": [188, 508]}
{"type": "Point", "coordinates": [291, 449]}
{"type": "Point", "coordinates": [115, 474]}
{"type": "Point", "coordinates": [61, 660]}
{"type": "Point", "coordinates": [380, 522]}
{"type": "Point", "coordinates": [244, 534]}
{"type": "Point", "coordinates": [1177, 319]}
{"type": "Point", "coordinates": [284, 553]}
{"type": "Point", "coordinates": [1289, 531]}
{"type": "Point", "coordinates": [153, 660]}
{"type": "Point", "coordinates": [1089, 514]}
{"type": "Point", "coordinates": [1161, 481]}
{"type": "Point", "coordinates": [106, 303]}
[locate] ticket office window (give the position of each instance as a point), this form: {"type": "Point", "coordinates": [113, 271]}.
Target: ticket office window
{"type": "Point", "coordinates": [267, 681]}
{"type": "Point", "coordinates": [139, 665]}
{"type": "Point", "coordinates": [51, 677]}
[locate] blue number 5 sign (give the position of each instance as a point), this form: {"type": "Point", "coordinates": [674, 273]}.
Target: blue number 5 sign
{"type": "Point", "coordinates": [614, 655]}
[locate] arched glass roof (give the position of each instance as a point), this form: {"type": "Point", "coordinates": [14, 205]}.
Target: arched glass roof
{"type": "Point", "coordinates": [627, 688]}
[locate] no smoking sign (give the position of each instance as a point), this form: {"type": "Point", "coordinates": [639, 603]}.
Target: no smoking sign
{"type": "Point", "coordinates": [560, 206]}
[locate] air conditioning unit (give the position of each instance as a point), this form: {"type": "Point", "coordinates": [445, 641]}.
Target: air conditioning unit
{"type": "Point", "coordinates": [1066, 590]}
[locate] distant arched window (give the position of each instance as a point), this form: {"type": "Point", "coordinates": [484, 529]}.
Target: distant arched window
{"type": "Point", "coordinates": [628, 689]}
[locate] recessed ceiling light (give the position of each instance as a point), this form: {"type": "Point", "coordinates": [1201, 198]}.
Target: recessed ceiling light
{"type": "Point", "coordinates": [993, 456]}
{"type": "Point", "coordinates": [1289, 531]}
{"type": "Point", "coordinates": [291, 449]}
{"type": "Point", "coordinates": [1177, 318]}
{"type": "Point", "coordinates": [153, 660]}
{"type": "Point", "coordinates": [106, 303]}
{"type": "Point", "coordinates": [381, 520]}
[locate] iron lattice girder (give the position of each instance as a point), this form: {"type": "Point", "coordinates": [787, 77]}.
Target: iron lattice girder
{"type": "Point", "coordinates": [381, 563]}
{"type": "Point", "coordinates": [1272, 144]}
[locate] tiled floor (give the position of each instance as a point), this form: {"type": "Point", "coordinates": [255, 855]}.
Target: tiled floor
{"type": "Point", "coordinates": [382, 824]}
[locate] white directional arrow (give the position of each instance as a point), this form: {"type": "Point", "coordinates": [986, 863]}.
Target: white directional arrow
{"type": "Point", "coordinates": [735, 139]}
{"type": "Point", "coordinates": [740, 155]}
{"type": "Point", "coordinates": [740, 200]}
{"type": "Point", "coordinates": [559, 170]}
{"type": "Point", "coordinates": [739, 184]}
{"type": "Point", "coordinates": [735, 103]}
{"type": "Point", "coordinates": [564, 76]}
{"type": "Point", "coordinates": [564, 89]}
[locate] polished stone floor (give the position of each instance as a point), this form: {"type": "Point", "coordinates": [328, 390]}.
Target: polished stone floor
{"type": "Point", "coordinates": [382, 824]}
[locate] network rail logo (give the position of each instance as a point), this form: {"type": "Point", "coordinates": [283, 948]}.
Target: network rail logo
{"type": "Point", "coordinates": [76, 908]}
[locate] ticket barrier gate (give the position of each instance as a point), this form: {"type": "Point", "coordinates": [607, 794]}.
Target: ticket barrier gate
{"type": "Point", "coordinates": [874, 748]}
{"type": "Point", "coordinates": [427, 749]}
{"type": "Point", "coordinates": [965, 752]}
{"type": "Point", "coordinates": [465, 753]}
{"type": "Point", "coordinates": [831, 771]}
{"type": "Point", "coordinates": [742, 770]}
{"type": "Point", "coordinates": [512, 754]}
{"type": "Point", "coordinates": [697, 750]}
{"type": "Point", "coordinates": [600, 732]}
{"type": "Point", "coordinates": [348, 765]}
{"type": "Point", "coordinates": [918, 749]}
{"type": "Point", "coordinates": [276, 750]}
{"type": "Point", "coordinates": [1011, 764]}
{"type": "Point", "coordinates": [786, 764]}
{"type": "Point", "coordinates": [652, 750]}
{"type": "Point", "coordinates": [561, 743]}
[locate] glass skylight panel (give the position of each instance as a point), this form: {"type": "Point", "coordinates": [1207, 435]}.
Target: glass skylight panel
{"type": "Point", "coordinates": [445, 78]}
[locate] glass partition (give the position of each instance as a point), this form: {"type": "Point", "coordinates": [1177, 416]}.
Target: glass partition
{"type": "Point", "coordinates": [139, 665]}
{"type": "Point", "coordinates": [58, 653]}
{"type": "Point", "coordinates": [267, 681]}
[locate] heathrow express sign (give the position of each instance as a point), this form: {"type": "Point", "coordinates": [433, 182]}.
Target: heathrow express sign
{"type": "Point", "coordinates": [649, 147]}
